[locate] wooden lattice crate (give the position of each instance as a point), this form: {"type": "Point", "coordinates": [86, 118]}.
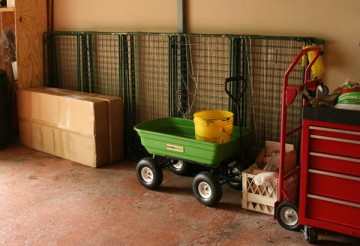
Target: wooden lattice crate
{"type": "Point", "coordinates": [262, 198]}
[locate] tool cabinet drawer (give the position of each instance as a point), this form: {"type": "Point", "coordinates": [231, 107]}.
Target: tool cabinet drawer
{"type": "Point", "coordinates": [334, 141]}
{"type": "Point", "coordinates": [333, 211]}
{"type": "Point", "coordinates": [334, 163]}
{"type": "Point", "coordinates": [334, 185]}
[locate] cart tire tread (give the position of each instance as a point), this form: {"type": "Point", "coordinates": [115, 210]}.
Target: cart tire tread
{"type": "Point", "coordinates": [149, 174]}
{"type": "Point", "coordinates": [207, 189]}
{"type": "Point", "coordinates": [287, 214]}
{"type": "Point", "coordinates": [180, 167]}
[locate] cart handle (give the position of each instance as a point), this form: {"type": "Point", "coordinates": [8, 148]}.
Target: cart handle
{"type": "Point", "coordinates": [236, 99]}
{"type": "Point", "coordinates": [298, 57]}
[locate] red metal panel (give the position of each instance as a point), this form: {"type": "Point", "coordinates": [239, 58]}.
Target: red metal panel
{"type": "Point", "coordinates": [334, 147]}
{"type": "Point", "coordinates": [330, 177]}
{"type": "Point", "coordinates": [334, 163]}
{"type": "Point", "coordinates": [332, 125]}
{"type": "Point", "coordinates": [335, 133]}
{"type": "Point", "coordinates": [304, 162]}
{"type": "Point", "coordinates": [334, 213]}
{"type": "Point", "coordinates": [334, 187]}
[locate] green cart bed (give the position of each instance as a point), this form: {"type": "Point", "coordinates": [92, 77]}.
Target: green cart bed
{"type": "Point", "coordinates": [175, 138]}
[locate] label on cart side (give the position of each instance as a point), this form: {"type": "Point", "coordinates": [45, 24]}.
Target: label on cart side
{"type": "Point", "coordinates": [175, 148]}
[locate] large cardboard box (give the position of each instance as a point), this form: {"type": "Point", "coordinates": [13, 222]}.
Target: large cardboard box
{"type": "Point", "coordinates": [90, 150]}
{"type": "Point", "coordinates": [68, 112]}
{"type": "Point", "coordinates": [72, 126]}
{"type": "Point", "coordinates": [115, 114]}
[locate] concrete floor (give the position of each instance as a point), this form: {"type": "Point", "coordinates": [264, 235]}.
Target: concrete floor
{"type": "Point", "coordinates": [45, 200]}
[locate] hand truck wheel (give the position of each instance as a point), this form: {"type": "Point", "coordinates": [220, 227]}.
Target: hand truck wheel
{"type": "Point", "coordinates": [287, 214]}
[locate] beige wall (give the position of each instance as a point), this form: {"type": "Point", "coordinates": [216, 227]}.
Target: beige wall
{"type": "Point", "coordinates": [336, 21]}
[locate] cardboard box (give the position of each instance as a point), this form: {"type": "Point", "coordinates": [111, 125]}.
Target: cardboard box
{"type": "Point", "coordinates": [74, 127]}
{"type": "Point", "coordinates": [90, 150]}
{"type": "Point", "coordinates": [10, 3]}
{"type": "Point", "coordinates": [68, 112]}
{"type": "Point", "coordinates": [270, 154]}
{"type": "Point", "coordinates": [115, 114]}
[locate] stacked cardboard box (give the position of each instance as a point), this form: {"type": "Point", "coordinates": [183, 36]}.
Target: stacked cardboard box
{"type": "Point", "coordinates": [82, 127]}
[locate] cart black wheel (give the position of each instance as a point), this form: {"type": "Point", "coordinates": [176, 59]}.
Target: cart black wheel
{"type": "Point", "coordinates": [149, 174]}
{"type": "Point", "coordinates": [237, 185]}
{"type": "Point", "coordinates": [311, 234]}
{"type": "Point", "coordinates": [287, 214]}
{"type": "Point", "coordinates": [180, 167]}
{"type": "Point", "coordinates": [207, 189]}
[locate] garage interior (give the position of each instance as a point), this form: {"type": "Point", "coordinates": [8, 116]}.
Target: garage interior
{"type": "Point", "coordinates": [169, 64]}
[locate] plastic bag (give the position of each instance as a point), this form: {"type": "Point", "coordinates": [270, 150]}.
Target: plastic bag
{"type": "Point", "coordinates": [266, 178]}
{"type": "Point", "coordinates": [8, 48]}
{"type": "Point", "coordinates": [349, 97]}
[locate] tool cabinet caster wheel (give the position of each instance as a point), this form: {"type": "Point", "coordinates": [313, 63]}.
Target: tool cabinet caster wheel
{"type": "Point", "coordinates": [207, 189]}
{"type": "Point", "coordinates": [180, 167]}
{"type": "Point", "coordinates": [288, 216]}
{"type": "Point", "coordinates": [148, 173]}
{"type": "Point", "coordinates": [310, 234]}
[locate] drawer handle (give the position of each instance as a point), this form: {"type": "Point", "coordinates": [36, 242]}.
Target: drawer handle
{"type": "Point", "coordinates": [336, 157]}
{"type": "Point", "coordinates": [335, 139]}
{"type": "Point", "coordinates": [351, 204]}
{"type": "Point", "coordinates": [333, 130]}
{"type": "Point", "coordinates": [337, 175]}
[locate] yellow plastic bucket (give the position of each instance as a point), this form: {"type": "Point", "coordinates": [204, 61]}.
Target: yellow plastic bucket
{"type": "Point", "coordinates": [318, 67]}
{"type": "Point", "coordinates": [213, 125]}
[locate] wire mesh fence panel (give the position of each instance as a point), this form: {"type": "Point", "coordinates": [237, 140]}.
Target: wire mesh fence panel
{"type": "Point", "coordinates": [267, 61]}
{"type": "Point", "coordinates": [207, 60]}
{"type": "Point", "coordinates": [150, 64]}
{"type": "Point", "coordinates": [65, 60]}
{"type": "Point", "coordinates": [162, 75]}
{"type": "Point", "coordinates": [146, 81]}
{"type": "Point", "coordinates": [104, 67]}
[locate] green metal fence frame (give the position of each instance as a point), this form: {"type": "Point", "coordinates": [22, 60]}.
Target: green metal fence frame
{"type": "Point", "coordinates": [178, 67]}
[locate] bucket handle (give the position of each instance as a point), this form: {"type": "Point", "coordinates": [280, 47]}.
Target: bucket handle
{"type": "Point", "coordinates": [224, 130]}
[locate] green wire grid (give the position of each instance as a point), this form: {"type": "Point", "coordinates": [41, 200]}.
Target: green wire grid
{"type": "Point", "coordinates": [167, 75]}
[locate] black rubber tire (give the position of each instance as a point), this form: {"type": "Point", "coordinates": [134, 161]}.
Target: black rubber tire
{"type": "Point", "coordinates": [235, 185]}
{"type": "Point", "coordinates": [311, 235]}
{"type": "Point", "coordinates": [207, 189]}
{"type": "Point", "coordinates": [287, 214]}
{"type": "Point", "coordinates": [180, 167]}
{"type": "Point", "coordinates": [149, 174]}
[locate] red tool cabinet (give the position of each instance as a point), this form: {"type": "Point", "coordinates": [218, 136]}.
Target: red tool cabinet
{"type": "Point", "coordinates": [330, 171]}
